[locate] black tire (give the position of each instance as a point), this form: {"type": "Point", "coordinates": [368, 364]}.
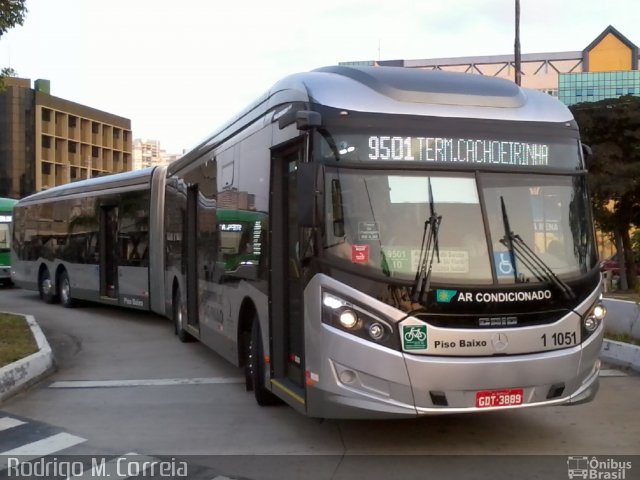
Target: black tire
{"type": "Point", "coordinates": [246, 346]}
{"type": "Point", "coordinates": [178, 318]}
{"type": "Point", "coordinates": [44, 286]}
{"type": "Point", "coordinates": [256, 365]}
{"type": "Point", "coordinates": [64, 290]}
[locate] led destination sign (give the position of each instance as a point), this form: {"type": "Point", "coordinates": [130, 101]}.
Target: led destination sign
{"type": "Point", "coordinates": [459, 150]}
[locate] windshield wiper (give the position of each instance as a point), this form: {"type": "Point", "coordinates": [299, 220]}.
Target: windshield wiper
{"type": "Point", "coordinates": [428, 250]}
{"type": "Point", "coordinates": [507, 240]}
{"type": "Point", "coordinates": [520, 250]}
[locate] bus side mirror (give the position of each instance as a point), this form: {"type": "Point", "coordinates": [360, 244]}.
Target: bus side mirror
{"type": "Point", "coordinates": [307, 193]}
{"type": "Point", "coordinates": [307, 119]}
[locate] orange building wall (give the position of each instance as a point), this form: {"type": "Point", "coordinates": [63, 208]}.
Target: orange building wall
{"type": "Point", "coordinates": [610, 55]}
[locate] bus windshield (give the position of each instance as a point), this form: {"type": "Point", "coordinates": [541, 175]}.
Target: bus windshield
{"type": "Point", "coordinates": [376, 219]}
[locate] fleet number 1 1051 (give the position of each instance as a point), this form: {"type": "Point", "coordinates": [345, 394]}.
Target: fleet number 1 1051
{"type": "Point", "coordinates": [559, 339]}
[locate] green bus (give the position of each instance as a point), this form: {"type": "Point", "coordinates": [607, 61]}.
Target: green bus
{"type": "Point", "coordinates": [6, 216]}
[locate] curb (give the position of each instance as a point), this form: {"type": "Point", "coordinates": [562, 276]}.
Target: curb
{"type": "Point", "coordinates": [19, 375]}
{"type": "Point", "coordinates": [621, 354]}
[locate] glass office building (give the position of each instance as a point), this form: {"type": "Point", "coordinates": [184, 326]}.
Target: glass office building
{"type": "Point", "coordinates": [594, 86]}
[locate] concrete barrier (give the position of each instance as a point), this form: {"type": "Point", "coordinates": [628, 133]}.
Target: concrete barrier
{"type": "Point", "coordinates": [621, 354]}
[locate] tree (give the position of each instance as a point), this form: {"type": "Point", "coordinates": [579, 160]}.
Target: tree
{"type": "Point", "coordinates": [12, 13]}
{"type": "Point", "coordinates": [4, 73]}
{"type": "Point", "coordinates": [612, 128]}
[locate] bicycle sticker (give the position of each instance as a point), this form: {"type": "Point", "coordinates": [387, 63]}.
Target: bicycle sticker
{"type": "Point", "coordinates": [415, 337]}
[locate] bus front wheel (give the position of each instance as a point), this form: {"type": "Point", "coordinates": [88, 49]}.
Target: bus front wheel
{"type": "Point", "coordinates": [257, 368]}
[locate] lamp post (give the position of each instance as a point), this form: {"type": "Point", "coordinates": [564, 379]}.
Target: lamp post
{"type": "Point", "coordinates": [517, 44]}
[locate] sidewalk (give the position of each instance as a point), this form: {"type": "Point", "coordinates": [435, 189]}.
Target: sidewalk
{"type": "Point", "coordinates": [19, 375]}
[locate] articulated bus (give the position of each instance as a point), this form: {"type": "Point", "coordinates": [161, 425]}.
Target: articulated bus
{"type": "Point", "coordinates": [366, 242]}
{"type": "Point", "coordinates": [6, 216]}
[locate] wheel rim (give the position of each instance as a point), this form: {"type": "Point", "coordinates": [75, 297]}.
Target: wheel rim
{"type": "Point", "coordinates": [46, 284]}
{"type": "Point", "coordinates": [65, 290]}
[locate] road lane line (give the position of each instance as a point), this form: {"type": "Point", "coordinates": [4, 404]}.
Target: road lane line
{"type": "Point", "coordinates": [7, 422]}
{"type": "Point", "coordinates": [159, 382]}
{"type": "Point", "coordinates": [40, 448]}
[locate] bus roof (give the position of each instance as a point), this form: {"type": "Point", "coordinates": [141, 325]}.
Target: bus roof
{"type": "Point", "coordinates": [395, 90]}
{"type": "Point", "coordinates": [116, 180]}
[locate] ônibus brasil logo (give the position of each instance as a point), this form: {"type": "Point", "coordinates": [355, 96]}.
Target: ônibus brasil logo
{"type": "Point", "coordinates": [595, 468]}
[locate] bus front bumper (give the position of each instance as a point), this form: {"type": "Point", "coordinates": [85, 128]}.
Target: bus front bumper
{"type": "Point", "coordinates": [359, 379]}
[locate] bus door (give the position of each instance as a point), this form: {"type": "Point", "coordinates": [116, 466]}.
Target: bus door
{"type": "Point", "coordinates": [287, 313]}
{"type": "Point", "coordinates": [109, 251]}
{"type": "Point", "coordinates": [190, 256]}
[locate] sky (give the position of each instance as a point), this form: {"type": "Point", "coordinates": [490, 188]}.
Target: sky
{"type": "Point", "coordinates": [179, 69]}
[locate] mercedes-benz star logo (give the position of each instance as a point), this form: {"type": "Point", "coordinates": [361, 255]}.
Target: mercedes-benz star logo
{"type": "Point", "coordinates": [499, 342]}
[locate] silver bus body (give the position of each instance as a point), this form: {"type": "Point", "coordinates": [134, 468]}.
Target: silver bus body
{"type": "Point", "coordinates": [196, 276]}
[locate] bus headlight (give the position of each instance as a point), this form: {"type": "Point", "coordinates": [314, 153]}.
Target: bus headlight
{"type": "Point", "coordinates": [357, 320]}
{"type": "Point", "coordinates": [348, 318]}
{"type": "Point", "coordinates": [599, 311]}
{"type": "Point", "coordinates": [592, 320]}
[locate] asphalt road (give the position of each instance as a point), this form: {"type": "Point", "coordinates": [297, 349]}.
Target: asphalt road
{"type": "Point", "coordinates": [184, 400]}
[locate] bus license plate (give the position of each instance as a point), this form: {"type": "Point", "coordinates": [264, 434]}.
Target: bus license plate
{"type": "Point", "coordinates": [499, 398]}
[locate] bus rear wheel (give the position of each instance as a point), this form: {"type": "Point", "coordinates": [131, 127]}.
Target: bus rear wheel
{"type": "Point", "coordinates": [178, 318]}
{"type": "Point", "coordinates": [64, 290]}
{"type": "Point", "coordinates": [256, 364]}
{"type": "Point", "coordinates": [45, 287]}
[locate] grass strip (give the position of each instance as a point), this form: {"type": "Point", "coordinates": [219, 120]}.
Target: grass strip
{"type": "Point", "coordinates": [16, 340]}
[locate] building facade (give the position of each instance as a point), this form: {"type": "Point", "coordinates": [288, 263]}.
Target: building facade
{"type": "Point", "coordinates": [147, 153]}
{"type": "Point", "coordinates": [606, 68]}
{"type": "Point", "coordinates": [47, 141]}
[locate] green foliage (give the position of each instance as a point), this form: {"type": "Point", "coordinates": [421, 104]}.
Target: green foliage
{"type": "Point", "coordinates": [12, 13]}
{"type": "Point", "coordinates": [612, 129]}
{"type": "Point", "coordinates": [6, 72]}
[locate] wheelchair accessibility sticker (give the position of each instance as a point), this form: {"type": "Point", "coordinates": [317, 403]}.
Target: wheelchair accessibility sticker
{"type": "Point", "coordinates": [504, 267]}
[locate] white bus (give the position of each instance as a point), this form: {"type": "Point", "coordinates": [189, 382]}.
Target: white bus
{"type": "Point", "coordinates": [366, 242]}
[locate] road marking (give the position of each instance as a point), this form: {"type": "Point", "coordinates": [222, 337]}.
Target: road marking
{"type": "Point", "coordinates": [7, 422]}
{"type": "Point", "coordinates": [613, 373]}
{"type": "Point", "coordinates": [40, 448]}
{"type": "Point", "coordinates": [159, 382]}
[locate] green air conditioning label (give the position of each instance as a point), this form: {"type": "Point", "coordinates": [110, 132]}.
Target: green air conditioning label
{"type": "Point", "coordinates": [445, 296]}
{"type": "Point", "coordinates": [415, 337]}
